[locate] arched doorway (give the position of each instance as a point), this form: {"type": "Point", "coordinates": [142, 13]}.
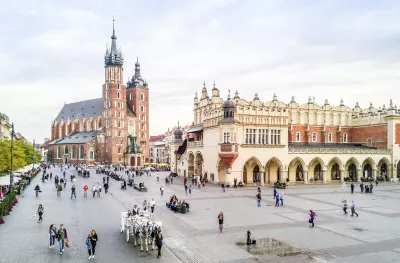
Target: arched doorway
{"type": "Point", "coordinates": [383, 168]}
{"type": "Point", "coordinates": [191, 164]}
{"type": "Point", "coordinates": [221, 172]}
{"type": "Point", "coordinates": [133, 163]}
{"type": "Point", "coordinates": [273, 170]}
{"type": "Point", "coordinates": [138, 161]}
{"type": "Point", "coordinates": [198, 164]}
{"type": "Point", "coordinates": [296, 170]}
{"type": "Point", "coordinates": [367, 172]}
{"type": "Point", "coordinates": [318, 172]}
{"type": "Point", "coordinates": [250, 170]}
{"type": "Point", "coordinates": [335, 172]}
{"type": "Point", "coordinates": [384, 171]}
{"type": "Point", "coordinates": [315, 170]}
{"type": "Point", "coordinates": [299, 173]}
{"type": "Point", "coordinates": [256, 174]}
{"type": "Point", "coordinates": [352, 171]}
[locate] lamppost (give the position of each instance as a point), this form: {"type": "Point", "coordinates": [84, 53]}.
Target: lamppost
{"type": "Point", "coordinates": [33, 155]}
{"type": "Point", "coordinates": [12, 158]}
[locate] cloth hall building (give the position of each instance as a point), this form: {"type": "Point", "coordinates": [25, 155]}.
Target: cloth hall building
{"type": "Point", "coordinates": [112, 129]}
{"type": "Point", "coordinates": [275, 140]}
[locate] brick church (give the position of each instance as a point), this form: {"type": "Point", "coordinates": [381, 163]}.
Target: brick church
{"type": "Point", "coordinates": [112, 129]}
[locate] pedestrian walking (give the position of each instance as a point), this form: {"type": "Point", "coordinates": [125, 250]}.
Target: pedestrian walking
{"type": "Point", "coordinates": [344, 202]}
{"type": "Point", "coordinates": [99, 191]}
{"type": "Point", "coordinates": [254, 181]}
{"type": "Point", "coordinates": [281, 198]}
{"type": "Point", "coordinates": [352, 188]}
{"type": "Point", "coordinates": [274, 193]}
{"type": "Point", "coordinates": [52, 235]}
{"type": "Point", "coordinates": [312, 218]}
{"type": "Point", "coordinates": [89, 246]}
{"type": "Point", "coordinates": [258, 196]}
{"type": "Point", "coordinates": [362, 187]}
{"type": "Point", "coordinates": [93, 239]}
{"type": "Point", "coordinates": [73, 191]}
{"type": "Point", "coordinates": [162, 190]}
{"type": "Point", "coordinates": [376, 182]}
{"type": "Point", "coordinates": [221, 221]}
{"type": "Point", "coordinates": [190, 189]}
{"type": "Point", "coordinates": [159, 242]}
{"type": "Point", "coordinates": [277, 199]}
{"type": "Point", "coordinates": [61, 237]}
{"type": "Point", "coordinates": [353, 208]}
{"type": "Point", "coordinates": [186, 188]}
{"type": "Point", "coordinates": [40, 213]}
{"type": "Point", "coordinates": [85, 190]}
{"type": "Point", "coordinates": [223, 187]}
{"type": "Point", "coordinates": [59, 189]}
{"type": "Point", "coordinates": [152, 205]}
{"type": "Point", "coordinates": [94, 190]}
{"type": "Point", "coordinates": [370, 187]}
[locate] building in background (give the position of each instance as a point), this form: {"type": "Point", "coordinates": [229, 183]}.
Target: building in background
{"type": "Point", "coordinates": [5, 127]}
{"type": "Point", "coordinates": [113, 129]}
{"type": "Point", "coordinates": [44, 149]}
{"type": "Point", "coordinates": [157, 149]}
{"type": "Point", "coordinates": [262, 142]}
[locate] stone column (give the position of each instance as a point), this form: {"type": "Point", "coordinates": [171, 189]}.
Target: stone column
{"type": "Point", "coordinates": [394, 173]}
{"type": "Point", "coordinates": [359, 175]}
{"type": "Point", "coordinates": [228, 176]}
{"type": "Point", "coordinates": [262, 174]}
{"type": "Point", "coordinates": [374, 174]}
{"type": "Point", "coordinates": [305, 175]}
{"type": "Point", "coordinates": [281, 179]}
{"type": "Point", "coordinates": [324, 176]}
{"type": "Point", "coordinates": [341, 176]}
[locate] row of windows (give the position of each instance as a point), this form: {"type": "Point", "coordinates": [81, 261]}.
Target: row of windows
{"type": "Point", "coordinates": [118, 124]}
{"type": "Point", "coordinates": [74, 152]}
{"type": "Point", "coordinates": [314, 137]}
{"type": "Point", "coordinates": [119, 105]}
{"type": "Point", "coordinates": [81, 127]}
{"type": "Point", "coordinates": [278, 121]}
{"type": "Point", "coordinates": [263, 136]}
{"type": "Point", "coordinates": [119, 114]}
{"type": "Point", "coordinates": [141, 96]}
{"type": "Point", "coordinates": [142, 117]}
{"type": "Point", "coordinates": [110, 72]}
{"type": "Point", "coordinates": [118, 95]}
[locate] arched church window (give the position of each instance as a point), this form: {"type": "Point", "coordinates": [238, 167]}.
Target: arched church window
{"type": "Point", "coordinates": [118, 95]}
{"type": "Point", "coordinates": [119, 124]}
{"type": "Point", "coordinates": [141, 96]}
{"type": "Point", "coordinates": [106, 94]}
{"type": "Point", "coordinates": [81, 152]}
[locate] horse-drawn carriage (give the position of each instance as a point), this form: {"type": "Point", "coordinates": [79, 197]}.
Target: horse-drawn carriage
{"type": "Point", "coordinates": [140, 187]}
{"type": "Point", "coordinates": [141, 228]}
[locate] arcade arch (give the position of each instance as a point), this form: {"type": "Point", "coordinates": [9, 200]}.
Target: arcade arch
{"type": "Point", "coordinates": [296, 170]}
{"type": "Point", "coordinates": [367, 167]}
{"type": "Point", "coordinates": [316, 168]}
{"type": "Point", "coordinates": [273, 170]}
{"type": "Point", "coordinates": [251, 170]}
{"type": "Point", "coordinates": [383, 168]}
{"type": "Point", "coordinates": [198, 164]}
{"type": "Point", "coordinates": [333, 169]}
{"type": "Point", "coordinates": [190, 161]}
{"type": "Point", "coordinates": [352, 169]}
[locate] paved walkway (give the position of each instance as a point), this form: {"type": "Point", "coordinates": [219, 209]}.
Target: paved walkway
{"type": "Point", "coordinates": [194, 237]}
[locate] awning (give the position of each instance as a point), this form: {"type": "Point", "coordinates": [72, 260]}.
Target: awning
{"type": "Point", "coordinates": [196, 129]}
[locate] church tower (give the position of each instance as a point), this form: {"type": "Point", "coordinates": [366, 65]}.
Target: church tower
{"type": "Point", "coordinates": [138, 99]}
{"type": "Point", "coordinates": [114, 104]}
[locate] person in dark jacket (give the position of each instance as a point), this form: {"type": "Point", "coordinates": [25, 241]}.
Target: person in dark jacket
{"type": "Point", "coordinates": [93, 240]}
{"type": "Point", "coordinates": [352, 187]}
{"type": "Point", "coordinates": [159, 242]}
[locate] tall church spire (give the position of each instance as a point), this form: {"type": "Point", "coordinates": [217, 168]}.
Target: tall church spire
{"type": "Point", "coordinates": [113, 54]}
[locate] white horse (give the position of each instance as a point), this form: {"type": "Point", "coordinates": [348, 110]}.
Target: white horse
{"type": "Point", "coordinates": [153, 227]}
{"type": "Point", "coordinates": [144, 235]}
{"type": "Point", "coordinates": [136, 234]}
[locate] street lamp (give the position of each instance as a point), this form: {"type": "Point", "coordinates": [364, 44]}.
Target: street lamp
{"type": "Point", "coordinates": [12, 158]}
{"type": "Point", "coordinates": [33, 155]}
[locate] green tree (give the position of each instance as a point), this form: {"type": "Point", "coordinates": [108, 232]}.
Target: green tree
{"type": "Point", "coordinates": [23, 155]}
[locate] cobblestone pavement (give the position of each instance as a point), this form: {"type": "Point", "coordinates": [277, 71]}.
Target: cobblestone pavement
{"type": "Point", "coordinates": [194, 237]}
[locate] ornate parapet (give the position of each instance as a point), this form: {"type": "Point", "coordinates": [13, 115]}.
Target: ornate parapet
{"type": "Point", "coordinates": [338, 150]}
{"type": "Point", "coordinates": [262, 146]}
{"type": "Point", "coordinates": [194, 144]}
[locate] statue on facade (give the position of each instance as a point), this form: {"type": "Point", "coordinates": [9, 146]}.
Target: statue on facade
{"type": "Point", "coordinates": [133, 147]}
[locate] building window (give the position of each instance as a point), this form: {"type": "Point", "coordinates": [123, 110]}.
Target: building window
{"type": "Point", "coordinates": [314, 137]}
{"type": "Point", "coordinates": [119, 76]}
{"type": "Point", "coordinates": [345, 138]}
{"type": "Point", "coordinates": [119, 85]}
{"type": "Point", "coordinates": [106, 94]}
{"type": "Point", "coordinates": [119, 149]}
{"type": "Point", "coordinates": [118, 95]}
{"type": "Point", "coordinates": [119, 105]}
{"type": "Point", "coordinates": [59, 151]}
{"type": "Point", "coordinates": [262, 136]}
{"type": "Point", "coordinates": [142, 108]}
{"type": "Point", "coordinates": [119, 124]}
{"type": "Point", "coordinates": [330, 137]}
{"type": "Point", "coordinates": [112, 73]}
{"type": "Point", "coordinates": [73, 152]}
{"type": "Point", "coordinates": [66, 149]}
{"type": "Point", "coordinates": [82, 152]}
{"type": "Point", "coordinates": [119, 114]}
{"type": "Point", "coordinates": [91, 154]}
{"type": "Point", "coordinates": [107, 124]}
{"type": "Point", "coordinates": [297, 136]}
{"type": "Point", "coordinates": [141, 96]}
{"type": "Point", "coordinates": [226, 137]}
{"type": "Point", "coordinates": [130, 96]}
{"type": "Point", "coordinates": [250, 136]}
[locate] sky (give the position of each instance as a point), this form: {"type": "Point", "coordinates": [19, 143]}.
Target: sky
{"type": "Point", "coordinates": [52, 52]}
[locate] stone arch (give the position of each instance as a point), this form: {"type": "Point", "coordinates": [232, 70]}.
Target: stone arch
{"type": "Point", "coordinates": [383, 168]}
{"type": "Point", "coordinates": [138, 161]}
{"type": "Point", "coordinates": [296, 170]}
{"type": "Point", "coordinates": [198, 163]}
{"type": "Point", "coordinates": [273, 170]}
{"type": "Point", "coordinates": [250, 167]}
{"type": "Point", "coordinates": [367, 166]}
{"type": "Point", "coordinates": [334, 168]}
{"type": "Point", "coordinates": [352, 169]}
{"type": "Point", "coordinates": [316, 169]}
{"type": "Point", "coordinates": [133, 161]}
{"type": "Point", "coordinates": [190, 161]}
